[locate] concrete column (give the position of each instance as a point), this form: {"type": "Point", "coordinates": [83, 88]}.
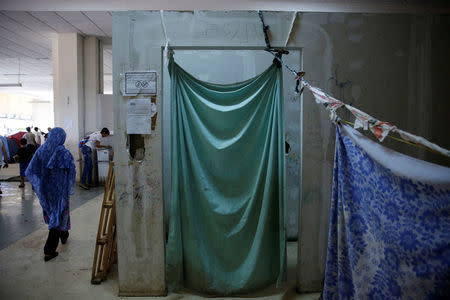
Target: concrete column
{"type": "Point", "coordinates": [67, 57]}
{"type": "Point", "coordinates": [139, 212]}
{"type": "Point", "coordinates": [91, 81]}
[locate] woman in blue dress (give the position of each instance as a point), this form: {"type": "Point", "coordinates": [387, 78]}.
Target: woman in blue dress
{"type": "Point", "coordinates": [52, 175]}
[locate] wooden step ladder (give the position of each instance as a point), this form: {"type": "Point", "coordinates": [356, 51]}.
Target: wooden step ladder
{"type": "Point", "coordinates": [106, 247]}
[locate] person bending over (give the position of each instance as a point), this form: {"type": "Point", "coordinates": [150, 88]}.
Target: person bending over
{"type": "Point", "coordinates": [92, 143]}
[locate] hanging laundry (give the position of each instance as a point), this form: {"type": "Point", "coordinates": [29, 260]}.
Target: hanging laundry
{"type": "Point", "coordinates": [379, 129]}
{"type": "Point", "coordinates": [321, 97]}
{"type": "Point", "coordinates": [363, 120]}
{"type": "Point", "coordinates": [389, 235]}
{"type": "Point", "coordinates": [422, 141]}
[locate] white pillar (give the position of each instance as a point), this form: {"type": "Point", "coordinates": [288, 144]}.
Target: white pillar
{"type": "Point", "coordinates": [139, 209]}
{"type": "Point", "coordinates": [91, 81]}
{"type": "Point", "coordinates": [67, 56]}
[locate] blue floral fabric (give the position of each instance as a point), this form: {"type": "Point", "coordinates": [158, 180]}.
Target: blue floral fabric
{"type": "Point", "coordinates": [52, 174]}
{"type": "Point", "coordinates": [389, 234]}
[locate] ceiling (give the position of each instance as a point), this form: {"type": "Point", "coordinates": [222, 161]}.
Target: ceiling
{"type": "Point", "coordinates": [27, 27]}
{"type": "Point", "coordinates": [26, 47]}
{"type": "Point", "coordinates": [372, 6]}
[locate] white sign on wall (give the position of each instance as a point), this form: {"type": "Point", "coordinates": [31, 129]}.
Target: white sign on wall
{"type": "Point", "coordinates": [139, 117]}
{"type": "Point", "coordinates": [140, 83]}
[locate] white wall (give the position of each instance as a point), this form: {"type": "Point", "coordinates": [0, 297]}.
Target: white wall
{"type": "Point", "coordinates": [105, 111]}
{"type": "Point", "coordinates": [91, 77]}
{"type": "Point", "coordinates": [43, 116]}
{"type": "Point", "coordinates": [67, 50]}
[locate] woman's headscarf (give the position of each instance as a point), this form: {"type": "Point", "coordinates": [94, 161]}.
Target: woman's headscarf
{"type": "Point", "coordinates": [52, 174]}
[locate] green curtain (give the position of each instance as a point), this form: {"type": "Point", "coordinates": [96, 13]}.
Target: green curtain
{"type": "Point", "coordinates": [227, 227]}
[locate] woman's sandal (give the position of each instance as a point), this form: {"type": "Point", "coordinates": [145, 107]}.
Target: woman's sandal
{"type": "Point", "coordinates": [47, 257]}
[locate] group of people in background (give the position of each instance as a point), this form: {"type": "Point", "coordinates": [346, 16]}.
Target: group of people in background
{"type": "Point", "coordinates": [36, 138]}
{"type": "Point", "coordinates": [29, 143]}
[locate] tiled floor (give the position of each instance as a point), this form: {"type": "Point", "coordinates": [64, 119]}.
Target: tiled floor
{"type": "Point", "coordinates": [21, 213]}
{"type": "Point", "coordinates": [25, 275]}
{"type": "Point", "coordinates": [11, 171]}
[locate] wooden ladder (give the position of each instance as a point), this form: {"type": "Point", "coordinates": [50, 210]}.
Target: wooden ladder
{"type": "Point", "coordinates": [106, 247]}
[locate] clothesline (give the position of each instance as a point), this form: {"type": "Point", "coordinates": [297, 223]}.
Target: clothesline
{"type": "Point", "coordinates": [399, 140]}
{"type": "Point", "coordinates": [166, 46]}
{"type": "Point", "coordinates": [363, 120]}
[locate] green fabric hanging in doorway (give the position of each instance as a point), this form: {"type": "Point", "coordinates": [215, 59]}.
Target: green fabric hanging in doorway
{"type": "Point", "coordinates": [227, 227]}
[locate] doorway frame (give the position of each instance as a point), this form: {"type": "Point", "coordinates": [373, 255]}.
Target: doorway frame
{"type": "Point", "coordinates": [165, 121]}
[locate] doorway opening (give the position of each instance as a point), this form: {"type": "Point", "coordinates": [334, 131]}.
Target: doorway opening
{"type": "Point", "coordinates": [225, 65]}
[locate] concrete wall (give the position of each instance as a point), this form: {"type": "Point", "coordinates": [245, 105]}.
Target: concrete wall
{"type": "Point", "coordinates": [17, 105]}
{"type": "Point", "coordinates": [137, 41]}
{"type": "Point", "coordinates": [394, 67]}
{"type": "Point", "coordinates": [43, 115]}
{"type": "Point", "coordinates": [68, 89]}
{"type": "Point", "coordinates": [105, 111]}
{"type": "Point", "coordinates": [382, 65]}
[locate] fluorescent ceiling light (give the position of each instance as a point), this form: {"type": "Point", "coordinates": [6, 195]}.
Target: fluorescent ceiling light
{"type": "Point", "coordinates": [11, 84]}
{"type": "Point", "coordinates": [39, 101]}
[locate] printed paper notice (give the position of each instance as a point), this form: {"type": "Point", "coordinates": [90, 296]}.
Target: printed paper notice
{"type": "Point", "coordinates": [140, 112]}
{"type": "Point", "coordinates": [140, 83]}
{"type": "Point", "coordinates": [68, 124]}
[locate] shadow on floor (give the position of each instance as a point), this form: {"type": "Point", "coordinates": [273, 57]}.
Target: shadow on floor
{"type": "Point", "coordinates": [25, 275]}
{"type": "Point", "coordinates": [21, 213]}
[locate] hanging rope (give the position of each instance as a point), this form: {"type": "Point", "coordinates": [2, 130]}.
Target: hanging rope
{"type": "Point", "coordinates": [298, 75]}
{"type": "Point", "coordinates": [277, 53]}
{"type": "Point", "coordinates": [400, 140]}
{"type": "Point", "coordinates": [166, 47]}
{"type": "Point", "coordinates": [379, 128]}
{"type": "Point", "coordinates": [265, 29]}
